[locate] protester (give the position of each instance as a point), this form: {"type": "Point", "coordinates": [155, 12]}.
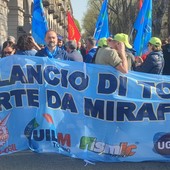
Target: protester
{"type": "Point", "coordinates": [51, 49]}
{"type": "Point", "coordinates": [116, 58]}
{"type": "Point", "coordinates": [81, 49]}
{"type": "Point", "coordinates": [9, 48]}
{"type": "Point", "coordinates": [90, 45]}
{"type": "Point", "coordinates": [101, 43]}
{"type": "Point", "coordinates": [78, 46]}
{"type": "Point", "coordinates": [164, 42]}
{"type": "Point", "coordinates": [9, 39]}
{"type": "Point", "coordinates": [26, 45]}
{"type": "Point", "coordinates": [60, 43]}
{"type": "Point", "coordinates": [121, 37]}
{"type": "Point", "coordinates": [72, 53]}
{"type": "Point", "coordinates": [166, 54]}
{"type": "Point", "coordinates": [154, 61]}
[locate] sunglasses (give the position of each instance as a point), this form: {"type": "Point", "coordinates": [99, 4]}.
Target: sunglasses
{"type": "Point", "coordinates": [8, 52]}
{"type": "Point", "coordinates": [149, 44]}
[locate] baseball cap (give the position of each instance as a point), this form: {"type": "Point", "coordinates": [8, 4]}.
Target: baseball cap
{"type": "Point", "coordinates": [121, 37]}
{"type": "Point", "coordinates": [102, 42]}
{"type": "Point", "coordinates": [155, 41]}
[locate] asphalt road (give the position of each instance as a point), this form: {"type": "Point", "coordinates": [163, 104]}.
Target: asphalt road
{"type": "Point", "coordinates": [28, 160]}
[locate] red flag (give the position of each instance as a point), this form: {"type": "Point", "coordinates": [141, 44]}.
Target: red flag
{"type": "Point", "coordinates": [73, 32]}
{"type": "Point", "coordinates": [140, 4]}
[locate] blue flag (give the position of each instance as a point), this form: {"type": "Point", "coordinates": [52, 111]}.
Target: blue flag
{"type": "Point", "coordinates": [39, 22]}
{"type": "Point", "coordinates": [102, 25]}
{"type": "Point", "coordinates": [143, 26]}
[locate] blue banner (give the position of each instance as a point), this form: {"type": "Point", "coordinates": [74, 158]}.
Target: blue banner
{"type": "Point", "coordinates": [85, 111]}
{"type": "Point", "coordinates": [143, 26]}
{"type": "Point", "coordinates": [102, 24]}
{"type": "Point", "coordinates": [39, 22]}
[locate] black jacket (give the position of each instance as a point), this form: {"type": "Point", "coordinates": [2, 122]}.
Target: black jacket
{"type": "Point", "coordinates": [166, 52]}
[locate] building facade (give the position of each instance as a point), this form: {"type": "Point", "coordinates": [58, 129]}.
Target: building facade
{"type": "Point", "coordinates": [16, 17]}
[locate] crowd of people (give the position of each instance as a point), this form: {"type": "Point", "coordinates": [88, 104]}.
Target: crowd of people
{"type": "Point", "coordinates": [114, 51]}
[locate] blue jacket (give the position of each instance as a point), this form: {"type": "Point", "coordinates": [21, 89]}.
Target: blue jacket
{"type": "Point", "coordinates": [60, 54]}
{"type": "Point", "coordinates": [153, 63]}
{"type": "Point", "coordinates": [90, 55]}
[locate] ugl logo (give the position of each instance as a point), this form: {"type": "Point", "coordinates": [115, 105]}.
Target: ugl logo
{"type": "Point", "coordinates": [162, 143]}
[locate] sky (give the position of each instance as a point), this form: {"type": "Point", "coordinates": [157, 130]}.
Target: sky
{"type": "Point", "coordinates": [79, 8]}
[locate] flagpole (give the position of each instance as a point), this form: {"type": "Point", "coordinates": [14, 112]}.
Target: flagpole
{"type": "Point", "coordinates": [94, 32]}
{"type": "Point", "coordinates": [131, 35]}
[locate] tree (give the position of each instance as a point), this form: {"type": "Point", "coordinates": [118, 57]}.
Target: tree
{"type": "Point", "coordinates": [90, 18]}
{"type": "Point", "coordinates": [122, 15]}
{"type": "Point", "coordinates": [159, 9]}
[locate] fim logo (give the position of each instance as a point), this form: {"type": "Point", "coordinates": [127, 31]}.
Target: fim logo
{"type": "Point", "coordinates": [4, 135]}
{"type": "Point", "coordinates": [121, 150]}
{"type": "Point", "coordinates": [162, 143]}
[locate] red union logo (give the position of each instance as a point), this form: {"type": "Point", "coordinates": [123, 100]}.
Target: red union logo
{"type": "Point", "coordinates": [72, 32]}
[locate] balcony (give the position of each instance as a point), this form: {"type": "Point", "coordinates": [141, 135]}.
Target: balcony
{"type": "Point", "coordinates": [59, 3]}
{"type": "Point", "coordinates": [64, 26]}
{"type": "Point", "coordinates": [62, 8]}
{"type": "Point", "coordinates": [51, 9]}
{"type": "Point", "coordinates": [55, 15]}
{"type": "Point", "coordinates": [46, 3]}
{"type": "Point", "coordinates": [59, 20]}
{"type": "Point", "coordinates": [52, 2]}
{"type": "Point", "coordinates": [61, 23]}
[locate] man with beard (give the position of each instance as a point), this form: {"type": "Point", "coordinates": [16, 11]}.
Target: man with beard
{"type": "Point", "coordinates": [52, 50]}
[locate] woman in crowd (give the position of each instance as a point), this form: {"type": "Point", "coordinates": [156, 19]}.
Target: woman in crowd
{"type": "Point", "coordinates": [26, 45]}
{"type": "Point", "coordinates": [9, 48]}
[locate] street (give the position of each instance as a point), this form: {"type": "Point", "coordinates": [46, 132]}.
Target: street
{"type": "Point", "coordinates": [28, 160]}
